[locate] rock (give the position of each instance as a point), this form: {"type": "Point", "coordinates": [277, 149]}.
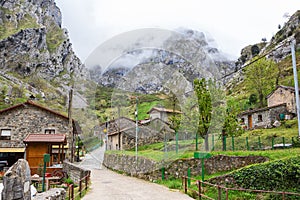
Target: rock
{"type": "Point", "coordinates": [276, 123]}
{"type": "Point", "coordinates": [16, 182]}
{"type": "Point", "coordinates": [41, 49]}
{"type": "Point", "coordinates": [53, 194]}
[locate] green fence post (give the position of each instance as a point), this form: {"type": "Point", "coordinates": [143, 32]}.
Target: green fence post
{"type": "Point", "coordinates": [232, 143]}
{"type": "Point", "coordinates": [213, 142]}
{"type": "Point", "coordinates": [189, 177]}
{"type": "Point", "coordinates": [224, 143]}
{"type": "Point", "coordinates": [247, 144]}
{"type": "Point", "coordinates": [176, 142]}
{"type": "Point", "coordinates": [196, 141]}
{"type": "Point", "coordinates": [272, 143]}
{"type": "Point", "coordinates": [259, 143]}
{"type": "Point", "coordinates": [163, 173]}
{"type": "Point", "coordinates": [283, 142]}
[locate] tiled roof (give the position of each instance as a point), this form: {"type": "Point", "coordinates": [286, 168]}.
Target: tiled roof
{"type": "Point", "coordinates": [47, 138]}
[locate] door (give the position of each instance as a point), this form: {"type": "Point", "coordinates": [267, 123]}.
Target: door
{"type": "Point", "coordinates": [249, 121]}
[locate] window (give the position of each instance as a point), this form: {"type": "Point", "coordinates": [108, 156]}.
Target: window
{"type": "Point", "coordinates": [5, 134]}
{"type": "Point", "coordinates": [259, 118]}
{"type": "Point", "coordinates": [49, 131]}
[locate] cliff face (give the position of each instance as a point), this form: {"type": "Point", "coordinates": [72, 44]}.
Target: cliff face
{"type": "Point", "coordinates": [35, 52]}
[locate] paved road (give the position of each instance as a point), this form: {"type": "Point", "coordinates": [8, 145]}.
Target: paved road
{"type": "Point", "coordinates": [108, 185]}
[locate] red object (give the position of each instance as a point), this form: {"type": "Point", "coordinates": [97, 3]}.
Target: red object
{"type": "Point", "coordinates": [47, 175]}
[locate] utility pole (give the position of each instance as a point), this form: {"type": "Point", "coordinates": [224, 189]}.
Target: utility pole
{"type": "Point", "coordinates": [70, 138]}
{"type": "Point", "coordinates": [293, 42]}
{"type": "Point", "coordinates": [136, 130]}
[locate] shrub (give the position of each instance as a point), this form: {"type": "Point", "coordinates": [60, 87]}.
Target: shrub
{"type": "Point", "coordinates": [281, 175]}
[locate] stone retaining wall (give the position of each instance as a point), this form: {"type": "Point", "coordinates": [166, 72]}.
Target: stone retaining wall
{"type": "Point", "coordinates": [75, 172]}
{"type": "Point", "coordinates": [151, 170]}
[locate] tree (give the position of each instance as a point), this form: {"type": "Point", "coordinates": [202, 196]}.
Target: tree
{"type": "Point", "coordinates": [205, 108]}
{"type": "Point", "coordinates": [231, 125]}
{"type": "Point", "coordinates": [260, 78]}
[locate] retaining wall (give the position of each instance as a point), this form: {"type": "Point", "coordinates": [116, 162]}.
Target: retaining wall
{"type": "Point", "coordinates": [151, 170]}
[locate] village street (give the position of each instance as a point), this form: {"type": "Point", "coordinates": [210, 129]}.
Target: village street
{"type": "Point", "coordinates": [109, 185]}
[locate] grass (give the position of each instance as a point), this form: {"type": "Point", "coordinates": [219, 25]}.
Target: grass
{"type": "Point", "coordinates": [9, 28]}
{"type": "Point", "coordinates": [54, 36]}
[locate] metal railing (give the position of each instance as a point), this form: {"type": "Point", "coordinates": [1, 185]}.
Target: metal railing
{"type": "Point", "coordinates": [198, 187]}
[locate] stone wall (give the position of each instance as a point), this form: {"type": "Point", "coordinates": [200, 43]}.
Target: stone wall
{"type": "Point", "coordinates": [75, 172]}
{"type": "Point", "coordinates": [151, 170]}
{"type": "Point", "coordinates": [27, 119]}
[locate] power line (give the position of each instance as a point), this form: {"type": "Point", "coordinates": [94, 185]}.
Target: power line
{"type": "Point", "coordinates": [253, 61]}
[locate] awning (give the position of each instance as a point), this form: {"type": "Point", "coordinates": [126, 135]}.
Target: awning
{"type": "Point", "coordinates": [45, 138]}
{"type": "Point", "coordinates": [12, 150]}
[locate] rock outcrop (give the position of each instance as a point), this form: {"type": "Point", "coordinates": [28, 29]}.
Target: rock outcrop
{"type": "Point", "coordinates": [16, 182]}
{"type": "Point", "coordinates": [36, 50]}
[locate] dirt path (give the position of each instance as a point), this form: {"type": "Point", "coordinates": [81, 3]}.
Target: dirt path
{"type": "Point", "coordinates": [108, 185]}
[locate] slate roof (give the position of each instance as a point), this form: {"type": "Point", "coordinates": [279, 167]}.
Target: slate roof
{"type": "Point", "coordinates": [46, 138]}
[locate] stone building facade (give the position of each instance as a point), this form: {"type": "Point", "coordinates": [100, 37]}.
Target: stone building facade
{"type": "Point", "coordinates": [281, 103]}
{"type": "Point", "coordinates": [18, 121]}
{"type": "Point", "coordinates": [283, 94]}
{"type": "Point", "coordinates": [263, 117]}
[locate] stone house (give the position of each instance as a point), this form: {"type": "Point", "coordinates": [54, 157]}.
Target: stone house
{"type": "Point", "coordinates": [283, 94]}
{"type": "Point", "coordinates": [121, 133]}
{"type": "Point", "coordinates": [162, 113]}
{"type": "Point", "coordinates": [281, 105]}
{"type": "Point", "coordinates": [262, 117]}
{"type": "Point", "coordinates": [18, 121]}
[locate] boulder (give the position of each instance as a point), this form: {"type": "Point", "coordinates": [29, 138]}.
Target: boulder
{"type": "Point", "coordinates": [16, 182]}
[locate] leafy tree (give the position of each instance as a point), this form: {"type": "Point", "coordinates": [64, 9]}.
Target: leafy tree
{"type": "Point", "coordinates": [205, 108]}
{"type": "Point", "coordinates": [260, 78]}
{"type": "Point", "coordinates": [231, 125]}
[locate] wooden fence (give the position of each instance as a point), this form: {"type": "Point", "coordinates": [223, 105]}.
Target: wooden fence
{"type": "Point", "coordinates": [83, 186]}
{"type": "Point", "coordinates": [221, 192]}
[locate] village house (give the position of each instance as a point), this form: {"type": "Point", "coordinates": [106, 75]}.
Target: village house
{"type": "Point", "coordinates": [29, 130]}
{"type": "Point", "coordinates": [281, 105]}
{"type": "Point", "coordinates": [121, 133]}
{"type": "Point", "coordinates": [162, 113]}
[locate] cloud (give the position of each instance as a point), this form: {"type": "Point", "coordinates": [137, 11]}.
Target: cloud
{"type": "Point", "coordinates": [232, 23]}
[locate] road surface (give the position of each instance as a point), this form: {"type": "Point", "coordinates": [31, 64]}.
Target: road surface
{"type": "Point", "coordinates": [109, 185]}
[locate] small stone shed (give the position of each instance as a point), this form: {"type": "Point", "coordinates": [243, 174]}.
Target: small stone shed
{"type": "Point", "coordinates": [263, 117]}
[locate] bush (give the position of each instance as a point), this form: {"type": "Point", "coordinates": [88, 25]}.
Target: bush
{"type": "Point", "coordinates": [280, 175]}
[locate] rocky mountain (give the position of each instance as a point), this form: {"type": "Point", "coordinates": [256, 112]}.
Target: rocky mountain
{"type": "Point", "coordinates": [185, 55]}
{"type": "Point", "coordinates": [36, 56]}
{"type": "Point", "coordinates": [277, 49]}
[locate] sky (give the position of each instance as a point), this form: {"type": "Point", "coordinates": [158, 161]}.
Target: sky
{"type": "Point", "coordinates": [233, 24]}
